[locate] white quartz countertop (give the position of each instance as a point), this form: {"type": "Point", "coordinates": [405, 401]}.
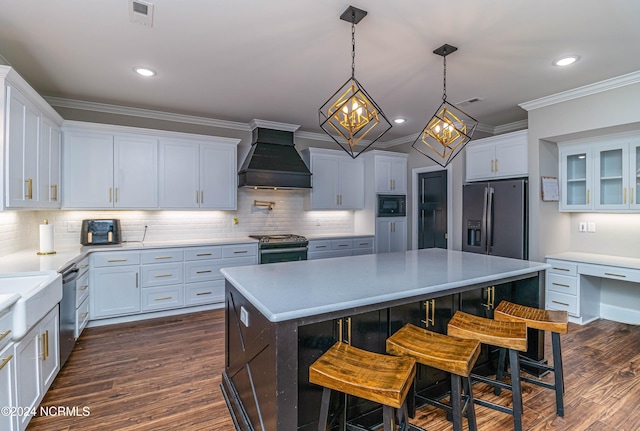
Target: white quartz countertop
{"type": "Point", "coordinates": [316, 237]}
{"type": "Point", "coordinates": [292, 290]}
{"type": "Point", "coordinates": [29, 261]}
{"type": "Point", "coordinates": [7, 300]}
{"type": "Point", "coordinates": [598, 259]}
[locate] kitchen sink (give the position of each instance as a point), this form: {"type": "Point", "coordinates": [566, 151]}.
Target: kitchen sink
{"type": "Point", "coordinates": [39, 293]}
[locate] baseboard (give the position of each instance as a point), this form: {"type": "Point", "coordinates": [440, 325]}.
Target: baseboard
{"type": "Point", "coordinates": [619, 314]}
{"type": "Point", "coordinates": [145, 316]}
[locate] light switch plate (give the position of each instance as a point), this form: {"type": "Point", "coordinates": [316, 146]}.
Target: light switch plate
{"type": "Point", "coordinates": [244, 316]}
{"type": "Point", "coordinates": [591, 226]}
{"type": "Point", "coordinates": [583, 226]}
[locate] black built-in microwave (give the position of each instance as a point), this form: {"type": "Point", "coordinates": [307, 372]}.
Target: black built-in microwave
{"type": "Point", "coordinates": [392, 205]}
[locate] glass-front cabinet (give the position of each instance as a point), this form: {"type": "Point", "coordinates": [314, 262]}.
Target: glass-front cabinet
{"type": "Point", "coordinates": [575, 171]}
{"type": "Point", "coordinates": [600, 174]}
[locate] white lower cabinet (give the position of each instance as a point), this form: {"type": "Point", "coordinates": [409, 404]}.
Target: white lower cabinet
{"type": "Point", "coordinates": [37, 364]}
{"type": "Point", "coordinates": [391, 234]}
{"type": "Point", "coordinates": [131, 282]}
{"type": "Point", "coordinates": [7, 387]}
{"type": "Point", "coordinates": [324, 248]}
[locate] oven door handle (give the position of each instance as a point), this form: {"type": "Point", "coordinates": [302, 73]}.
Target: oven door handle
{"type": "Point", "coordinates": [282, 250]}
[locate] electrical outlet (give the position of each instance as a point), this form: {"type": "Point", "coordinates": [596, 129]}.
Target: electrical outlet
{"type": "Point", "coordinates": [583, 226]}
{"type": "Point", "coordinates": [235, 222]}
{"type": "Point", "coordinates": [244, 316]}
{"type": "Point", "coordinates": [591, 226]}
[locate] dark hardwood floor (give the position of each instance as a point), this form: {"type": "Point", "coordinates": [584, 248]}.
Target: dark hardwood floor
{"type": "Point", "coordinates": [164, 374]}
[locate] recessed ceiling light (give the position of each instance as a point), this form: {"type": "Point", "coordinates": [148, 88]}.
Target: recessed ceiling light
{"type": "Point", "coordinates": [144, 71]}
{"type": "Point", "coordinates": [399, 120]}
{"type": "Point", "coordinates": [565, 61]}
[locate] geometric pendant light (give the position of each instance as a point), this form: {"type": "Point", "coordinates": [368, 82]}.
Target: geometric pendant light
{"type": "Point", "coordinates": [449, 130]}
{"type": "Point", "coordinates": [351, 117]}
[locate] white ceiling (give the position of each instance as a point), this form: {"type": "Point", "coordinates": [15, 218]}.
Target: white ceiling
{"type": "Point", "coordinates": [280, 60]}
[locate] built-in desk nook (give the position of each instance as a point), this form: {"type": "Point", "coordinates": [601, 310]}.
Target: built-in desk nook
{"type": "Point", "coordinates": [281, 317]}
{"type": "Point", "coordinates": [592, 286]}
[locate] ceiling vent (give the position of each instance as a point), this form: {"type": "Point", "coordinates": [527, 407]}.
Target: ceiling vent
{"type": "Point", "coordinates": [141, 12]}
{"type": "Point", "coordinates": [469, 101]}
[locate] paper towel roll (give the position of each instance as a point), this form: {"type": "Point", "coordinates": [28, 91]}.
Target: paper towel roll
{"type": "Point", "coordinates": [46, 238]}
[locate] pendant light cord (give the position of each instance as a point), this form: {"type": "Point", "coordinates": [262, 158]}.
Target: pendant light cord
{"type": "Point", "coordinates": [353, 45]}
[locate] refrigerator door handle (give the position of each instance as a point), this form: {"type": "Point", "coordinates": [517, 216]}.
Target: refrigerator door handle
{"type": "Point", "coordinates": [484, 237]}
{"type": "Point", "coordinates": [489, 213]}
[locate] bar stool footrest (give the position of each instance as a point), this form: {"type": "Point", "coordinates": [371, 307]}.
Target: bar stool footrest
{"type": "Point", "coordinates": [536, 364]}
{"type": "Point", "coordinates": [493, 406]}
{"type": "Point", "coordinates": [491, 382]}
{"type": "Point", "coordinates": [446, 407]}
{"type": "Point", "coordinates": [537, 382]}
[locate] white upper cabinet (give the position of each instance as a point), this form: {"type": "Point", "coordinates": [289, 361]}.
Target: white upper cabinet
{"type": "Point", "coordinates": [30, 142]}
{"type": "Point", "coordinates": [337, 179]}
{"type": "Point", "coordinates": [600, 174]}
{"type": "Point", "coordinates": [391, 174]}
{"type": "Point", "coordinates": [502, 156]}
{"type": "Point", "coordinates": [197, 175]}
{"type": "Point", "coordinates": [88, 170]}
{"type": "Point", "coordinates": [49, 148]}
{"type": "Point", "coordinates": [127, 168]}
{"type": "Point", "coordinates": [135, 172]}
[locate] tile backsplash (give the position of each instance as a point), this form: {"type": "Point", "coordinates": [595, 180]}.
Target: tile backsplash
{"type": "Point", "coordinates": [19, 229]}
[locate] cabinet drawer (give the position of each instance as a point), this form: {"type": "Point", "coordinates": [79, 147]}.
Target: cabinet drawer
{"type": "Point", "coordinates": [200, 253]}
{"type": "Point", "coordinates": [562, 267]}
{"type": "Point", "coordinates": [82, 317]}
{"type": "Point", "coordinates": [239, 250]}
{"type": "Point", "coordinates": [6, 323]}
{"type": "Point", "coordinates": [612, 272]}
{"type": "Point", "coordinates": [363, 243]}
{"type": "Point", "coordinates": [341, 244]}
{"type": "Point", "coordinates": [561, 301]}
{"type": "Point", "coordinates": [203, 270]}
{"type": "Point", "coordinates": [361, 251]}
{"type": "Point", "coordinates": [161, 274]}
{"type": "Point", "coordinates": [562, 284]}
{"type": "Point", "coordinates": [82, 288]}
{"type": "Point", "coordinates": [116, 258]}
{"type": "Point", "coordinates": [161, 256]}
{"type": "Point", "coordinates": [160, 298]}
{"type": "Point", "coordinates": [319, 246]}
{"type": "Point", "coordinates": [205, 292]}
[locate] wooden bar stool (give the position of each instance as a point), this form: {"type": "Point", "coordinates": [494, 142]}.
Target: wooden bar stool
{"type": "Point", "coordinates": [456, 356]}
{"type": "Point", "coordinates": [375, 377]}
{"type": "Point", "coordinates": [509, 335]}
{"type": "Point", "coordinates": [556, 322]}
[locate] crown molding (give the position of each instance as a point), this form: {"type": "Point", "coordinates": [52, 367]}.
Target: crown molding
{"type": "Point", "coordinates": [273, 125]}
{"type": "Point", "coordinates": [145, 113]}
{"type": "Point", "coordinates": [511, 127]}
{"type": "Point", "coordinates": [586, 90]}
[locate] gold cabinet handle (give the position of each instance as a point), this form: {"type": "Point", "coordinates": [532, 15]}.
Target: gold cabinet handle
{"type": "Point", "coordinates": [561, 285]}
{"type": "Point", "coordinates": [588, 196]}
{"type": "Point", "coordinates": [83, 315]}
{"type": "Point", "coordinates": [624, 196]}
{"type": "Point", "coordinates": [339, 329]}
{"type": "Point", "coordinates": [116, 194]}
{"type": "Point", "coordinates": [110, 195]}
{"type": "Point", "coordinates": [162, 257]}
{"type": "Point", "coordinates": [491, 291]}
{"type": "Point", "coordinates": [496, 165]}
{"type": "Point", "coordinates": [163, 298]}
{"type": "Point", "coordinates": [137, 280]}
{"type": "Point", "coordinates": [54, 192]}
{"type": "Point", "coordinates": [611, 274]}
{"type": "Point", "coordinates": [4, 334]}
{"type": "Point", "coordinates": [203, 254]}
{"type": "Point", "coordinates": [204, 271]}
{"type": "Point", "coordinates": [5, 361]}
{"type": "Point", "coordinates": [29, 194]}
{"type": "Point", "coordinates": [203, 293]}
{"type": "Point", "coordinates": [631, 196]}
{"type": "Point", "coordinates": [162, 275]}
{"type": "Point", "coordinates": [116, 260]}
{"type": "Point", "coordinates": [240, 251]}
{"type": "Point", "coordinates": [559, 269]}
{"type": "Point", "coordinates": [84, 287]}
{"type": "Point", "coordinates": [560, 303]}
{"type": "Point", "coordinates": [201, 196]}
{"type": "Point", "coordinates": [349, 330]}
{"type": "Point", "coordinates": [197, 197]}
{"type": "Point", "coordinates": [430, 311]}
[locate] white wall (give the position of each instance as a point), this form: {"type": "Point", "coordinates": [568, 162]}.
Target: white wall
{"type": "Point", "coordinates": [600, 114]}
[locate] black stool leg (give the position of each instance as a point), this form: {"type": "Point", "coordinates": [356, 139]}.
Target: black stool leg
{"type": "Point", "coordinates": [501, 358]}
{"type": "Point", "coordinates": [388, 421]}
{"type": "Point", "coordinates": [514, 360]}
{"type": "Point", "coordinates": [558, 375]}
{"type": "Point", "coordinates": [456, 402]}
{"type": "Point", "coordinates": [324, 409]}
{"type": "Point", "coordinates": [471, 412]}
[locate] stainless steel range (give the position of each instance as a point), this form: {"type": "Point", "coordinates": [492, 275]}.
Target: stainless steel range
{"type": "Point", "coordinates": [281, 248]}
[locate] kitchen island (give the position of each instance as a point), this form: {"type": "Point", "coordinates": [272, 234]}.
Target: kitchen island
{"type": "Point", "coordinates": [281, 317]}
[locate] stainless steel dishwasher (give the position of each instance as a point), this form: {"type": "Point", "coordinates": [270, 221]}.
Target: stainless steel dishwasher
{"type": "Point", "coordinates": [68, 313]}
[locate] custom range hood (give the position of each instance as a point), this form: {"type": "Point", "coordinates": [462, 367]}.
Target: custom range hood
{"type": "Point", "coordinates": [273, 162]}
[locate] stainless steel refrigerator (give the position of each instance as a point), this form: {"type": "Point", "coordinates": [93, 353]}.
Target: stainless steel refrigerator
{"type": "Point", "coordinates": [495, 218]}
